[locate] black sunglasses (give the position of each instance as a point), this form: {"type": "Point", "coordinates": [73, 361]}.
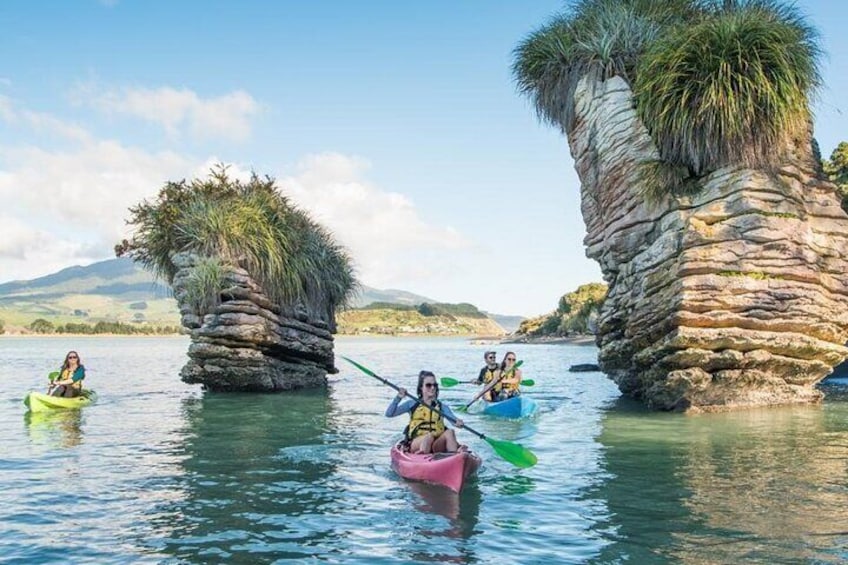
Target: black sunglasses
{"type": "Point", "coordinates": [431, 385]}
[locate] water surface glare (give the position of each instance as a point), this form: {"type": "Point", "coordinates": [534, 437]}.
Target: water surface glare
{"type": "Point", "coordinates": [158, 471]}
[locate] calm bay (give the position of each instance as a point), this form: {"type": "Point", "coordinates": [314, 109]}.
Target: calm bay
{"type": "Point", "coordinates": [162, 472]}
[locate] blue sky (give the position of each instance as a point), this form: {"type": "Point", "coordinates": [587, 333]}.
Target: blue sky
{"type": "Point", "coordinates": [396, 124]}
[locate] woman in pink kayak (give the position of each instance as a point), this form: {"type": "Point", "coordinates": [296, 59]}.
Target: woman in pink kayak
{"type": "Point", "coordinates": [426, 432]}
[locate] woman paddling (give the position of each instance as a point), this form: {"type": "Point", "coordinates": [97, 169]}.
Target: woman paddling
{"type": "Point", "coordinates": [508, 386]}
{"type": "Point", "coordinates": [71, 375]}
{"type": "Point", "coordinates": [426, 432]}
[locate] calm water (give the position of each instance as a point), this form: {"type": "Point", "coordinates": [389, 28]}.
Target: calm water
{"type": "Point", "coordinates": [159, 471]}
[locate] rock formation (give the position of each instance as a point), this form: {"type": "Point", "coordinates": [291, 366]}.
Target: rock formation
{"type": "Point", "coordinates": [249, 343]}
{"type": "Point", "coordinates": [735, 296]}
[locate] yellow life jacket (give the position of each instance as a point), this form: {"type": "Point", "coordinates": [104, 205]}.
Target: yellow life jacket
{"type": "Point", "coordinates": [422, 420]}
{"type": "Point", "coordinates": [504, 390]}
{"type": "Point", "coordinates": [488, 378]}
{"type": "Point", "coordinates": [509, 387]}
{"type": "Point", "coordinates": [67, 374]}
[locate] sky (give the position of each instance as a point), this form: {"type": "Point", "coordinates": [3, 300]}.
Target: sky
{"type": "Point", "coordinates": [396, 125]}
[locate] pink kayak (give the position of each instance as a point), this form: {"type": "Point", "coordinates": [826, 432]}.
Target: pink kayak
{"type": "Point", "coordinates": [446, 469]}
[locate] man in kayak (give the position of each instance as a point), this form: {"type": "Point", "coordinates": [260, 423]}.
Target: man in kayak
{"type": "Point", "coordinates": [71, 375]}
{"type": "Point", "coordinates": [426, 432]}
{"type": "Point", "coordinates": [489, 373]}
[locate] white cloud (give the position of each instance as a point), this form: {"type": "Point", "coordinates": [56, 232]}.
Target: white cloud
{"type": "Point", "coordinates": [67, 208]}
{"type": "Point", "coordinates": [7, 111]}
{"type": "Point", "coordinates": [41, 122]}
{"type": "Point", "coordinates": [46, 123]}
{"type": "Point", "coordinates": [227, 116]}
{"type": "Point", "coordinates": [28, 252]}
{"type": "Point", "coordinates": [383, 230]}
{"type": "Point", "coordinates": [70, 206]}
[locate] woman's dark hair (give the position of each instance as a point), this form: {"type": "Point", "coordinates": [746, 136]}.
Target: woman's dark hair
{"type": "Point", "coordinates": [503, 363]}
{"type": "Point", "coordinates": [421, 376]}
{"type": "Point", "coordinates": [68, 354]}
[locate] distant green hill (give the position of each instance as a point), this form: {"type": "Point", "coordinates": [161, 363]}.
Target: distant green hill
{"type": "Point", "coordinates": [116, 290]}
{"type": "Point", "coordinates": [114, 277]}
{"type": "Point", "coordinates": [119, 290]}
{"type": "Point", "coordinates": [368, 295]}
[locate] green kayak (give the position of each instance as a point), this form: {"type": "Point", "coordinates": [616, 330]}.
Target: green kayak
{"type": "Point", "coordinates": [40, 402]}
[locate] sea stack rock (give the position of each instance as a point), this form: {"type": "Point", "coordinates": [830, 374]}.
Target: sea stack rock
{"type": "Point", "coordinates": [734, 297]}
{"type": "Point", "coordinates": [249, 343]}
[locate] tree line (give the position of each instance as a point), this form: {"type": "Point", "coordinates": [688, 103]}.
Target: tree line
{"type": "Point", "coordinates": [42, 326]}
{"type": "Point", "coordinates": [463, 309]}
{"type": "Point", "coordinates": [576, 313]}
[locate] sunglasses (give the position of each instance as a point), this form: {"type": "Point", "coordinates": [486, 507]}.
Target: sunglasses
{"type": "Point", "coordinates": [490, 357]}
{"type": "Point", "coordinates": [431, 385]}
{"type": "Point", "coordinates": [510, 358]}
{"type": "Point", "coordinates": [72, 357]}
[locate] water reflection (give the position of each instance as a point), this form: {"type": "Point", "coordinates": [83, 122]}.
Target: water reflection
{"type": "Point", "coordinates": [741, 486]}
{"type": "Point", "coordinates": [255, 480]}
{"type": "Point", "coordinates": [462, 512]}
{"type": "Point", "coordinates": [513, 485]}
{"type": "Point", "coordinates": [57, 428]}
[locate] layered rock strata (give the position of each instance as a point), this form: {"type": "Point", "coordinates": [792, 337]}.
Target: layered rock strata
{"type": "Point", "coordinates": [249, 343]}
{"type": "Point", "coordinates": [734, 297]}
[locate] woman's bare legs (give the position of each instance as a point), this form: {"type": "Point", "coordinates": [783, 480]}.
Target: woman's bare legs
{"type": "Point", "coordinates": [446, 442]}
{"type": "Point", "coordinates": [422, 444]}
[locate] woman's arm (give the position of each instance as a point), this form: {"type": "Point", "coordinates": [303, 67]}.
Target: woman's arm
{"type": "Point", "coordinates": [396, 409]}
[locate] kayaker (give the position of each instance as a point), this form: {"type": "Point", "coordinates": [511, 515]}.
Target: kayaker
{"type": "Point", "coordinates": [511, 378]}
{"type": "Point", "coordinates": [489, 373]}
{"type": "Point", "coordinates": [426, 432]}
{"type": "Point", "coordinates": [71, 375]}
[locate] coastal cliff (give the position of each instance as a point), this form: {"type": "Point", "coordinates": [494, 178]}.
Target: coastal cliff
{"type": "Point", "coordinates": [702, 191]}
{"type": "Point", "coordinates": [732, 297]}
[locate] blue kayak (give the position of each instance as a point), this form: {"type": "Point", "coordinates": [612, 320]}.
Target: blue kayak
{"type": "Point", "coordinates": [515, 407]}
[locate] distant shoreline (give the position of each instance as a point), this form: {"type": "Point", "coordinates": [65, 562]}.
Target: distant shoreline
{"type": "Point", "coordinates": [560, 340]}
{"type": "Point", "coordinates": [74, 335]}
{"type": "Point", "coordinates": [474, 340]}
{"type": "Point", "coordinates": [569, 340]}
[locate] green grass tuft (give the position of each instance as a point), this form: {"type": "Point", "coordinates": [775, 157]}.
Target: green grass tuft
{"type": "Point", "coordinates": [249, 225]}
{"type": "Point", "coordinates": [715, 83]}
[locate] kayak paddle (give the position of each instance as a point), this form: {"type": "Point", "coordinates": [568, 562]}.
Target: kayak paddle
{"type": "Point", "coordinates": [515, 453]}
{"type": "Point", "coordinates": [490, 386]}
{"type": "Point", "coordinates": [51, 378]}
{"type": "Point", "coordinates": [448, 382]}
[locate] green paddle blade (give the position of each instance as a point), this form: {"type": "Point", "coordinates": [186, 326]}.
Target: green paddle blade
{"type": "Point", "coordinates": [449, 382]}
{"type": "Point", "coordinates": [528, 382]}
{"type": "Point", "coordinates": [515, 453]}
{"type": "Point", "coordinates": [53, 376]}
{"type": "Point", "coordinates": [360, 367]}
